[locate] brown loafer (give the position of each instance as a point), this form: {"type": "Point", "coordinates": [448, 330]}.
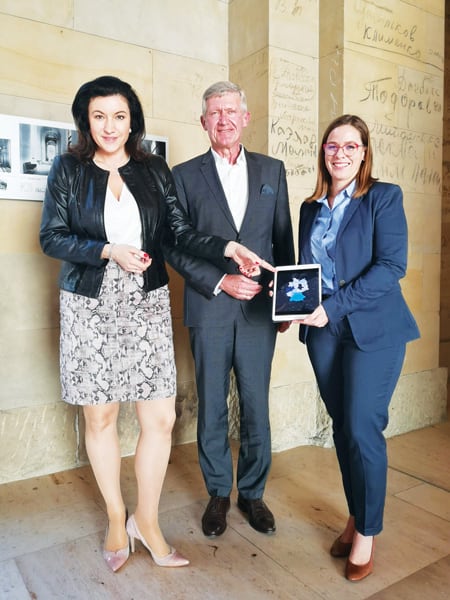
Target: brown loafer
{"type": "Point", "coordinates": [340, 549]}
{"type": "Point", "coordinates": [214, 520]}
{"type": "Point", "coordinates": [357, 572]}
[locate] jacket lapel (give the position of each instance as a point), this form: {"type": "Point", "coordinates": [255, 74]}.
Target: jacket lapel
{"type": "Point", "coordinates": [254, 187]}
{"type": "Point", "coordinates": [306, 222]}
{"type": "Point", "coordinates": [209, 172]}
{"type": "Point", "coordinates": [348, 215]}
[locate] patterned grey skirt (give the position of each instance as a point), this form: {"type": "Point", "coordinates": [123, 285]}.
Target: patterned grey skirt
{"type": "Point", "coordinates": [117, 347]}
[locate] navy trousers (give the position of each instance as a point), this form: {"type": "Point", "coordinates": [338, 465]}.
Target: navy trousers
{"type": "Point", "coordinates": [248, 349]}
{"type": "Point", "coordinates": [356, 388]}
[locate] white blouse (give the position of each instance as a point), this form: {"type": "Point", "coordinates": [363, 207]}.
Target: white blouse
{"type": "Point", "coordinates": [122, 219]}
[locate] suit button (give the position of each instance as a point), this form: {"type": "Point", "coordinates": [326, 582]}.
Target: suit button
{"type": "Point", "coordinates": [341, 283]}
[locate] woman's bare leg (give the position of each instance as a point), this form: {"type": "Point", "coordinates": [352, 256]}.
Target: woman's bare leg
{"type": "Point", "coordinates": [156, 418]}
{"type": "Point", "coordinates": [102, 445]}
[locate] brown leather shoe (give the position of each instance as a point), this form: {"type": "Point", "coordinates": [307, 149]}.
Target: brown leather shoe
{"type": "Point", "coordinates": [259, 515]}
{"type": "Point", "coordinates": [357, 572]}
{"type": "Point", "coordinates": [340, 549]}
{"type": "Point", "coordinates": [214, 520]}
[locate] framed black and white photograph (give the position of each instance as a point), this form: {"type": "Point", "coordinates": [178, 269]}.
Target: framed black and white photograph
{"type": "Point", "coordinates": [28, 148]}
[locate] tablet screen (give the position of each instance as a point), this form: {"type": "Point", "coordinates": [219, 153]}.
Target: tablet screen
{"type": "Point", "coordinates": [297, 291]}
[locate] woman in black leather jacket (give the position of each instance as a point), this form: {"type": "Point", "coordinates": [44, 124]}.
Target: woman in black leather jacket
{"type": "Point", "coordinates": [109, 209]}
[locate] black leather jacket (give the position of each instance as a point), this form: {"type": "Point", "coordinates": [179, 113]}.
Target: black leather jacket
{"type": "Point", "coordinates": [73, 229]}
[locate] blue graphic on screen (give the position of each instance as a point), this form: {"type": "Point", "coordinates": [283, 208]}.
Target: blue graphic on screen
{"type": "Point", "coordinates": [297, 292]}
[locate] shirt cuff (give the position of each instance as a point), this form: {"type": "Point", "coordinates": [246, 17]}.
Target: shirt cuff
{"type": "Point", "coordinates": [217, 289]}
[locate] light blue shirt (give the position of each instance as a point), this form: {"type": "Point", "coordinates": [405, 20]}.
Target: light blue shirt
{"type": "Point", "coordinates": [323, 236]}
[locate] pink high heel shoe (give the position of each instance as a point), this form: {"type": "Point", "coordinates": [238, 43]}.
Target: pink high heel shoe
{"type": "Point", "coordinates": [173, 559]}
{"type": "Point", "coordinates": [116, 559]}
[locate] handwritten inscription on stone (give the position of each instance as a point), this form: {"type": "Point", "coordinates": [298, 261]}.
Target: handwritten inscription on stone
{"type": "Point", "coordinates": [293, 8]}
{"type": "Point", "coordinates": [292, 134]}
{"type": "Point", "coordinates": [387, 29]}
{"type": "Point", "coordinates": [408, 158]}
{"type": "Point", "coordinates": [416, 99]}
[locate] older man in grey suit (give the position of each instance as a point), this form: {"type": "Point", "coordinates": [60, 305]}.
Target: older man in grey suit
{"type": "Point", "coordinates": [237, 195]}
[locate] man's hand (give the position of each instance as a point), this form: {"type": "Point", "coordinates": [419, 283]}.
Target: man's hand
{"type": "Point", "coordinates": [249, 262]}
{"type": "Point", "coordinates": [240, 287]}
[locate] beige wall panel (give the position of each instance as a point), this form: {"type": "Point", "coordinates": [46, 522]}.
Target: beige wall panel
{"type": "Point", "coordinates": [185, 429]}
{"type": "Point", "coordinates": [412, 363]}
{"type": "Point", "coordinates": [35, 109]}
{"type": "Point", "coordinates": [430, 397]}
{"type": "Point", "coordinates": [45, 62]}
{"type": "Point", "coordinates": [291, 364]}
{"type": "Point", "coordinates": [394, 30]}
{"type": "Point", "coordinates": [331, 85]}
{"type": "Point", "coordinates": [29, 298]}
{"type": "Point", "coordinates": [178, 86]}
{"type": "Point", "coordinates": [45, 11]}
{"type": "Point", "coordinates": [252, 73]}
{"type": "Point", "coordinates": [185, 140]}
{"type": "Point", "coordinates": [424, 223]}
{"type": "Point", "coordinates": [294, 26]}
{"type": "Point", "coordinates": [176, 285]}
{"type": "Point", "coordinates": [183, 355]}
{"type": "Point", "coordinates": [297, 417]}
{"type": "Point", "coordinates": [248, 27]}
{"type": "Point", "coordinates": [256, 137]}
{"type": "Point", "coordinates": [29, 368]}
{"type": "Point", "coordinates": [419, 97]}
{"type": "Point", "coordinates": [427, 347]}
{"type": "Point", "coordinates": [432, 222]}
{"type": "Point", "coordinates": [195, 28]}
{"type": "Point", "coordinates": [431, 284]}
{"type": "Point", "coordinates": [293, 110]}
{"type": "Point", "coordinates": [412, 286]}
{"type": "Point", "coordinates": [19, 226]}
{"type": "Point", "coordinates": [37, 440]}
{"type": "Point", "coordinates": [415, 211]}
{"type": "Point", "coordinates": [436, 7]}
{"type": "Point", "coordinates": [331, 26]}
{"type": "Point", "coordinates": [299, 189]}
{"type": "Point", "coordinates": [413, 359]}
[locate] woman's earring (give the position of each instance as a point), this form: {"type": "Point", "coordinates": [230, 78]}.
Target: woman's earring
{"type": "Point", "coordinates": [130, 130]}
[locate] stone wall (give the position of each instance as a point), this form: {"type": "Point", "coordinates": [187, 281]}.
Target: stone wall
{"type": "Point", "coordinates": [302, 62]}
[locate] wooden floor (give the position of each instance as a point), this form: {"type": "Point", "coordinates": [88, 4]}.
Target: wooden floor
{"type": "Point", "coordinates": [51, 532]}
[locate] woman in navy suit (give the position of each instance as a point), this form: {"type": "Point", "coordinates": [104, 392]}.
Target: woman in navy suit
{"type": "Point", "coordinates": [355, 227]}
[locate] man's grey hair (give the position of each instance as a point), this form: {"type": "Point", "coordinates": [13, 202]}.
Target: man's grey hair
{"type": "Point", "coordinates": [219, 89]}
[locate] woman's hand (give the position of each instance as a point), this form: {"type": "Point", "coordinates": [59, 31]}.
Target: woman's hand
{"type": "Point", "coordinates": [249, 262]}
{"type": "Point", "coordinates": [129, 258]}
{"type": "Point", "coordinates": [318, 318]}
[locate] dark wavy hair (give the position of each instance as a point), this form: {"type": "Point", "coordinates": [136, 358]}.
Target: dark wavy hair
{"type": "Point", "coordinates": [107, 85]}
{"type": "Point", "coordinates": [364, 178]}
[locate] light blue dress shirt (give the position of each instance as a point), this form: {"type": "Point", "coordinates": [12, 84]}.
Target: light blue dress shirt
{"type": "Point", "coordinates": [323, 236]}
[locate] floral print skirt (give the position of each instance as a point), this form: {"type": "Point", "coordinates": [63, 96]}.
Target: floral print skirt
{"type": "Point", "coordinates": [117, 347]}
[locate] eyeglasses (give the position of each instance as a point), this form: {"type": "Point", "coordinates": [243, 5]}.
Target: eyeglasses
{"type": "Point", "coordinates": [349, 148]}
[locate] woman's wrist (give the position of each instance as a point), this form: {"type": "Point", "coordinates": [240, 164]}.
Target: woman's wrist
{"type": "Point", "coordinates": [107, 252]}
{"type": "Point", "coordinates": [230, 249]}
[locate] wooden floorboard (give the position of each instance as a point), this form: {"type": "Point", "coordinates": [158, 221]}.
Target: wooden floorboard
{"type": "Point", "coordinates": [52, 528]}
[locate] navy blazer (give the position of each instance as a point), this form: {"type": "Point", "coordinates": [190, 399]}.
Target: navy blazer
{"type": "Point", "coordinates": [371, 258]}
{"type": "Point", "coordinates": [266, 229]}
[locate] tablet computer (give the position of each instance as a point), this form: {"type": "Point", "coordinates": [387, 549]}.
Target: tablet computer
{"type": "Point", "coordinates": [297, 291]}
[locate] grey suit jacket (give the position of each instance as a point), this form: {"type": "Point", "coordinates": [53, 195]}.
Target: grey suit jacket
{"type": "Point", "coordinates": [266, 229]}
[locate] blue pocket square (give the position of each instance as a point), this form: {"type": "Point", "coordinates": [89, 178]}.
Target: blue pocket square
{"type": "Point", "coordinates": [266, 189]}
